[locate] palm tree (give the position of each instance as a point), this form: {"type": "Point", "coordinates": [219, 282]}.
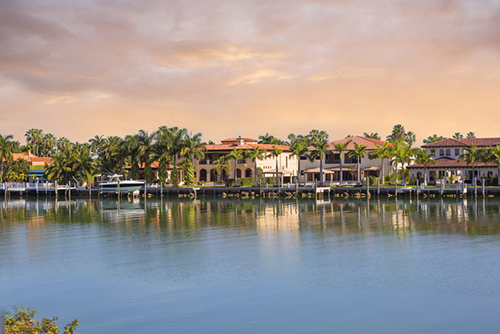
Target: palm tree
{"type": "Point", "coordinates": [471, 135]}
{"type": "Point", "coordinates": [34, 138]}
{"type": "Point", "coordinates": [299, 148]}
{"type": "Point", "coordinates": [276, 153]}
{"type": "Point", "coordinates": [5, 151]}
{"type": "Point", "coordinates": [471, 156]}
{"type": "Point", "coordinates": [221, 165]}
{"type": "Point", "coordinates": [382, 152]}
{"type": "Point", "coordinates": [60, 167]}
{"type": "Point", "coordinates": [425, 158]}
{"type": "Point", "coordinates": [256, 154]}
{"type": "Point", "coordinates": [97, 143]}
{"type": "Point", "coordinates": [410, 138]}
{"type": "Point", "coordinates": [83, 163]}
{"type": "Point", "coordinates": [359, 152]}
{"type": "Point", "coordinates": [458, 135]}
{"type": "Point", "coordinates": [434, 138]}
{"type": "Point", "coordinates": [235, 155]}
{"type": "Point", "coordinates": [373, 135]}
{"type": "Point", "coordinates": [398, 132]}
{"type": "Point", "coordinates": [341, 148]}
{"type": "Point", "coordinates": [321, 146]}
{"type": "Point", "coordinates": [402, 154]}
{"type": "Point", "coordinates": [494, 156]}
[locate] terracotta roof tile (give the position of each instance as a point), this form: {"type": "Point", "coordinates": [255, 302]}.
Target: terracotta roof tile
{"type": "Point", "coordinates": [225, 147]}
{"type": "Point", "coordinates": [236, 140]}
{"type": "Point", "coordinates": [451, 163]}
{"type": "Point", "coordinates": [450, 142]}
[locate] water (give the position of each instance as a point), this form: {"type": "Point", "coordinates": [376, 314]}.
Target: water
{"type": "Point", "coordinates": [250, 266]}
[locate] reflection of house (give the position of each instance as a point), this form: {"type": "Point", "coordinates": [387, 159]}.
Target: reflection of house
{"type": "Point", "coordinates": [447, 167]}
{"type": "Point", "coordinates": [205, 170]}
{"type": "Point", "coordinates": [37, 164]}
{"type": "Point", "coordinates": [331, 162]}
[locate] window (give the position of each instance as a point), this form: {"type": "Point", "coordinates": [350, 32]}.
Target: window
{"type": "Point", "coordinates": [448, 152]}
{"type": "Point", "coordinates": [433, 151]}
{"type": "Point", "coordinates": [457, 151]}
{"type": "Point", "coordinates": [441, 152]}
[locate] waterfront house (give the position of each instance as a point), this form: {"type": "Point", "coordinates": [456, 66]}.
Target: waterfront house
{"type": "Point", "coordinates": [37, 164]}
{"type": "Point", "coordinates": [205, 171]}
{"type": "Point", "coordinates": [331, 162]}
{"type": "Point", "coordinates": [448, 169]}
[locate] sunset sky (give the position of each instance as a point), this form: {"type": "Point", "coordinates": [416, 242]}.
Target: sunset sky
{"type": "Point", "coordinates": [239, 67]}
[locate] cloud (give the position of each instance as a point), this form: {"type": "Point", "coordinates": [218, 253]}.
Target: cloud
{"type": "Point", "coordinates": [203, 62]}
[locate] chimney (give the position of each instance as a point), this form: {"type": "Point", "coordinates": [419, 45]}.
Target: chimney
{"type": "Point", "coordinates": [240, 141]}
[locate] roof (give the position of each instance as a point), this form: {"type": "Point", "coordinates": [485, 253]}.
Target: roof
{"type": "Point", "coordinates": [451, 163]}
{"type": "Point", "coordinates": [30, 158]}
{"type": "Point", "coordinates": [235, 140]}
{"type": "Point", "coordinates": [280, 171]}
{"type": "Point", "coordinates": [229, 147]}
{"type": "Point", "coordinates": [450, 142]}
{"type": "Point", "coordinates": [317, 170]}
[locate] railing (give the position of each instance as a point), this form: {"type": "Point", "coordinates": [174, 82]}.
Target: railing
{"type": "Point", "coordinates": [205, 162]}
{"type": "Point", "coordinates": [332, 161]}
{"type": "Point", "coordinates": [241, 161]}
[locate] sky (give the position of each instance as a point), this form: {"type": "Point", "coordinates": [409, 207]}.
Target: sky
{"type": "Point", "coordinates": [246, 67]}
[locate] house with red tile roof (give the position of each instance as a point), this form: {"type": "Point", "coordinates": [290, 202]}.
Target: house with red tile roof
{"type": "Point", "coordinates": [448, 168]}
{"type": "Point", "coordinates": [37, 164]}
{"type": "Point", "coordinates": [205, 170]}
{"type": "Point", "coordinates": [331, 162]}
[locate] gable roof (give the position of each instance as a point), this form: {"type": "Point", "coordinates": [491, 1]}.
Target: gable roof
{"type": "Point", "coordinates": [368, 142]}
{"type": "Point", "coordinates": [229, 147]}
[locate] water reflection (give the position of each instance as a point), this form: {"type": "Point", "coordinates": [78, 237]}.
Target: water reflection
{"type": "Point", "coordinates": [464, 216]}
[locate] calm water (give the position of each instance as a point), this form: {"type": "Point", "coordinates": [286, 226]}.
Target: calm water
{"type": "Point", "coordinates": [242, 266]}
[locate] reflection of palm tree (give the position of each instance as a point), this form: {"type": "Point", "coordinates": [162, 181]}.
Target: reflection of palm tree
{"type": "Point", "coordinates": [425, 158]}
{"type": "Point", "coordinates": [359, 152]}
{"type": "Point", "coordinates": [382, 152]}
{"type": "Point", "coordinates": [341, 148]}
{"type": "Point", "coordinates": [221, 165]}
{"type": "Point", "coordinates": [5, 150]}
{"type": "Point", "coordinates": [256, 154]}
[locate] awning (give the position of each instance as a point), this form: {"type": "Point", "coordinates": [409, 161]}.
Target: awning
{"type": "Point", "coordinates": [374, 168]}
{"type": "Point", "coordinates": [316, 170]}
{"type": "Point", "coordinates": [280, 171]}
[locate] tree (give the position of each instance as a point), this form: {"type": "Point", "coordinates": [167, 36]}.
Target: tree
{"type": "Point", "coordinates": [5, 151]}
{"type": "Point", "coordinates": [410, 138]}
{"type": "Point", "coordinates": [434, 138]}
{"type": "Point", "coordinates": [60, 167]}
{"type": "Point", "coordinates": [23, 321]}
{"type": "Point", "coordinates": [373, 135]}
{"type": "Point", "coordinates": [235, 155]}
{"type": "Point", "coordinates": [298, 146]}
{"type": "Point", "coordinates": [276, 152]}
{"type": "Point", "coordinates": [341, 148]}
{"type": "Point", "coordinates": [321, 147]}
{"type": "Point", "coordinates": [359, 152]}
{"type": "Point", "coordinates": [221, 165]}
{"type": "Point", "coordinates": [425, 158]}
{"type": "Point", "coordinates": [17, 170]}
{"type": "Point", "coordinates": [34, 138]}
{"type": "Point", "coordinates": [494, 156]}
{"type": "Point", "coordinates": [402, 154]}
{"type": "Point", "coordinates": [256, 154]}
{"type": "Point", "coordinates": [382, 152]}
{"type": "Point", "coordinates": [458, 135]}
{"type": "Point", "coordinates": [317, 135]}
{"type": "Point", "coordinates": [472, 155]}
{"type": "Point", "coordinates": [83, 164]}
{"type": "Point", "coordinates": [398, 132]}
{"type": "Point", "coordinates": [271, 140]}
{"type": "Point", "coordinates": [471, 135]}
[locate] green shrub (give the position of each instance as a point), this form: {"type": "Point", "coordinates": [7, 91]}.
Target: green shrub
{"type": "Point", "coordinates": [23, 321]}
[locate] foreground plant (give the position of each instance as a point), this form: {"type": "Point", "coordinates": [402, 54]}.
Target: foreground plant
{"type": "Point", "coordinates": [23, 322]}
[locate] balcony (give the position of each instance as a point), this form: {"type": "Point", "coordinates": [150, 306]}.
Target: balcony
{"type": "Point", "coordinates": [332, 161]}
{"type": "Point", "coordinates": [204, 162]}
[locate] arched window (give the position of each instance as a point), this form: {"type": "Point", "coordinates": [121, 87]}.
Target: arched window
{"type": "Point", "coordinates": [448, 152]}
{"type": "Point", "coordinates": [441, 152]}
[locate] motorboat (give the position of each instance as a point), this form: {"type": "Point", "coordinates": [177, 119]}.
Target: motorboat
{"type": "Point", "coordinates": [113, 183]}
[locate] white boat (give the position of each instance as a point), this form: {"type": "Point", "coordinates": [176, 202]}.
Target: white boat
{"type": "Point", "coordinates": [111, 185]}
